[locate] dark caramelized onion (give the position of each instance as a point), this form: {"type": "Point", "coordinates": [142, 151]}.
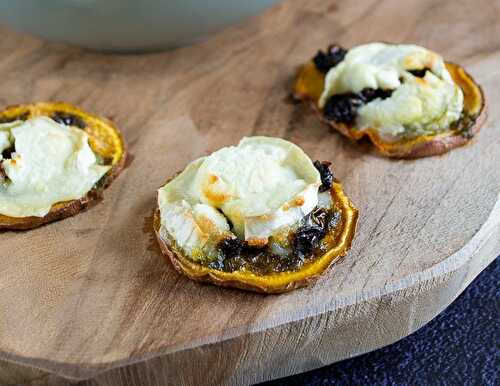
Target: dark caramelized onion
{"type": "Point", "coordinates": [7, 153]}
{"type": "Point", "coordinates": [231, 247]}
{"type": "Point", "coordinates": [306, 239]}
{"type": "Point", "coordinates": [324, 61]}
{"type": "Point", "coordinates": [326, 175]}
{"type": "Point", "coordinates": [342, 108]}
{"type": "Point", "coordinates": [68, 119]}
{"type": "Point", "coordinates": [419, 73]}
{"type": "Point", "coordinates": [369, 94]}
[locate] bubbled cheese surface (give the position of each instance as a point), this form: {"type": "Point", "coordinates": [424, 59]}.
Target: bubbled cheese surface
{"type": "Point", "coordinates": [259, 186]}
{"type": "Point", "coordinates": [416, 106]}
{"type": "Point", "coordinates": [51, 163]}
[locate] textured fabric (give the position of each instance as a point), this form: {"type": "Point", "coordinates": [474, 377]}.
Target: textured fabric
{"type": "Point", "coordinates": [459, 347]}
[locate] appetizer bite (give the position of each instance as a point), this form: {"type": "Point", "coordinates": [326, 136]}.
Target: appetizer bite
{"type": "Point", "coordinates": [404, 98]}
{"type": "Point", "coordinates": [259, 216]}
{"type": "Point", "coordinates": [55, 161]}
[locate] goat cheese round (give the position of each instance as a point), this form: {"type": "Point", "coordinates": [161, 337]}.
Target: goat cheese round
{"type": "Point", "coordinates": [50, 163]}
{"type": "Point", "coordinates": [249, 190]}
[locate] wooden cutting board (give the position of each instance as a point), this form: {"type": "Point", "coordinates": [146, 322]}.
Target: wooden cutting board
{"type": "Point", "coordinates": [91, 296]}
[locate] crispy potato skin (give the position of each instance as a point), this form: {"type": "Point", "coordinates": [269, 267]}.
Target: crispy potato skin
{"type": "Point", "coordinates": [65, 209]}
{"type": "Point", "coordinates": [309, 85]}
{"type": "Point", "coordinates": [267, 285]}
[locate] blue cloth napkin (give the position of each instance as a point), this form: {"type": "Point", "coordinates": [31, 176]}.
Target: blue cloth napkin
{"type": "Point", "coordinates": [461, 346]}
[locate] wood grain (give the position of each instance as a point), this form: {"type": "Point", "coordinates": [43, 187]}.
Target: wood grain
{"type": "Point", "coordinates": [91, 296]}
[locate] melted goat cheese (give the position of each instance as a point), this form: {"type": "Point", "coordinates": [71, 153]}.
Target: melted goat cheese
{"type": "Point", "coordinates": [416, 106]}
{"type": "Point", "coordinates": [258, 186]}
{"type": "Point", "coordinates": [51, 163]}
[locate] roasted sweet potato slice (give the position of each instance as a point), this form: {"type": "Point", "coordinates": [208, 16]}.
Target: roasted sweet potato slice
{"type": "Point", "coordinates": [104, 139]}
{"type": "Point", "coordinates": [309, 86]}
{"type": "Point", "coordinates": [342, 236]}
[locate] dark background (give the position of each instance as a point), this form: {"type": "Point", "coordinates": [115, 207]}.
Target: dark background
{"type": "Point", "coordinates": [459, 347]}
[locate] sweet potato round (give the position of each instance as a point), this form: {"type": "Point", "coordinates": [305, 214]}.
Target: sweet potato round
{"type": "Point", "coordinates": [105, 140]}
{"type": "Point", "coordinates": [276, 282]}
{"type": "Point", "coordinates": [309, 86]}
